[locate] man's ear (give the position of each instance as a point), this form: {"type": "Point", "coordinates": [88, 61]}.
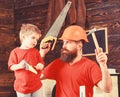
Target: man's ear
{"type": "Point", "coordinates": [80, 45]}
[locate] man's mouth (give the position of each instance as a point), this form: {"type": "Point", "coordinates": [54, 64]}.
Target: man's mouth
{"type": "Point", "coordinates": [64, 51]}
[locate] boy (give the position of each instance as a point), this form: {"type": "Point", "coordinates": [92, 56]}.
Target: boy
{"type": "Point", "coordinates": [27, 83]}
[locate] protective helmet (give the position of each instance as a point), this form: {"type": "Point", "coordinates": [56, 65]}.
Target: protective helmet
{"type": "Point", "coordinates": [74, 32]}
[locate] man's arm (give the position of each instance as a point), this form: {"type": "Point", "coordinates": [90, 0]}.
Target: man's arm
{"type": "Point", "coordinates": [106, 83]}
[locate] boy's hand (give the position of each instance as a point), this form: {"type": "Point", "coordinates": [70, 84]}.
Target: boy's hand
{"type": "Point", "coordinates": [21, 65]}
{"type": "Point", "coordinates": [45, 49]}
{"type": "Point", "coordinates": [39, 66]}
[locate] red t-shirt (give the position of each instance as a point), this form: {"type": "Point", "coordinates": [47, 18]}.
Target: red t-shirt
{"type": "Point", "coordinates": [26, 81]}
{"type": "Point", "coordinates": [70, 77]}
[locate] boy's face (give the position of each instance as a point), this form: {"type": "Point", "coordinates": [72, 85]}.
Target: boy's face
{"type": "Point", "coordinates": [31, 40]}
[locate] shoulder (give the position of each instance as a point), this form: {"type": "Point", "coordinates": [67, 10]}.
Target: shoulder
{"type": "Point", "coordinates": [85, 59]}
{"type": "Point", "coordinates": [34, 49]}
{"type": "Point", "coordinates": [91, 66]}
{"type": "Point", "coordinates": [15, 50]}
{"type": "Point", "coordinates": [58, 60]}
{"type": "Point", "coordinates": [89, 62]}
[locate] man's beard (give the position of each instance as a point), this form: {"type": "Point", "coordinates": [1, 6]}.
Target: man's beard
{"type": "Point", "coordinates": [68, 56]}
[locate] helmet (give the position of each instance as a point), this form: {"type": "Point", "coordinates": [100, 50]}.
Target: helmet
{"type": "Point", "coordinates": [74, 32]}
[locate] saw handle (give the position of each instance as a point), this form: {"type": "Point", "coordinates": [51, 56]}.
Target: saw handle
{"type": "Point", "coordinates": [52, 40]}
{"type": "Point", "coordinates": [51, 44]}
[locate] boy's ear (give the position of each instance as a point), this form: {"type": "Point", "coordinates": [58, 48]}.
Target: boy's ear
{"type": "Point", "coordinates": [23, 36]}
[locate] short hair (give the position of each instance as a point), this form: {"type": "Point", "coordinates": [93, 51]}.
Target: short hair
{"type": "Point", "coordinates": [27, 29]}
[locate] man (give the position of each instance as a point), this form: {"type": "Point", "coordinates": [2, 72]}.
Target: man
{"type": "Point", "coordinates": [72, 70]}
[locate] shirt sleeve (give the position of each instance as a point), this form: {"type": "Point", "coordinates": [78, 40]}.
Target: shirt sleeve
{"type": "Point", "coordinates": [96, 73]}
{"type": "Point", "coordinates": [12, 59]}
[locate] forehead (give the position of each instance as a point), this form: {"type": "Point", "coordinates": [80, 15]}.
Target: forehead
{"type": "Point", "coordinates": [35, 34]}
{"type": "Point", "coordinates": [68, 41]}
{"type": "Point", "coordinates": [71, 42]}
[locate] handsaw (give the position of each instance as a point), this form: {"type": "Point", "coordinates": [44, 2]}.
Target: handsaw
{"type": "Point", "coordinates": [55, 28]}
{"type": "Point", "coordinates": [29, 67]}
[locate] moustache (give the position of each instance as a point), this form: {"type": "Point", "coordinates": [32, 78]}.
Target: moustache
{"type": "Point", "coordinates": [64, 50]}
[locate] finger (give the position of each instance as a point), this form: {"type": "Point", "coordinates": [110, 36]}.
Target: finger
{"type": "Point", "coordinates": [99, 50]}
{"type": "Point", "coordinates": [46, 45]}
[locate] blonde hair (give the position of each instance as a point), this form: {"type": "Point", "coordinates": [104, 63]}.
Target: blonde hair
{"type": "Point", "coordinates": [27, 29]}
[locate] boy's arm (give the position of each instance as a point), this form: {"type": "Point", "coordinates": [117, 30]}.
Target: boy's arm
{"type": "Point", "coordinates": [44, 49]}
{"type": "Point", "coordinates": [39, 66]}
{"type": "Point", "coordinates": [15, 67]}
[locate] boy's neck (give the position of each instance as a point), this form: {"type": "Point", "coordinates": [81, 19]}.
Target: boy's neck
{"type": "Point", "coordinates": [24, 47]}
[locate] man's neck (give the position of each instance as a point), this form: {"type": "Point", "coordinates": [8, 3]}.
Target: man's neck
{"type": "Point", "coordinates": [78, 58]}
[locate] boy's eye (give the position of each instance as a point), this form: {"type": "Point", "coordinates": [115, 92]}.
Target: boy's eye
{"type": "Point", "coordinates": [37, 39]}
{"type": "Point", "coordinates": [33, 37]}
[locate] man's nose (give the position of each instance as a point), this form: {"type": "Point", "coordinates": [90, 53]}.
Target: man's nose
{"type": "Point", "coordinates": [64, 45]}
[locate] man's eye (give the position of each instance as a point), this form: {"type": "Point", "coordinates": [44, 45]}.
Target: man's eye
{"type": "Point", "coordinates": [68, 42]}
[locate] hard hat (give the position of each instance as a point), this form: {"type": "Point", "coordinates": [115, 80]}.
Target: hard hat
{"type": "Point", "coordinates": [74, 32]}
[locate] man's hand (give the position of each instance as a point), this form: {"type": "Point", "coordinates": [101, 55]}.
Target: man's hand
{"type": "Point", "coordinates": [106, 83]}
{"type": "Point", "coordinates": [101, 57]}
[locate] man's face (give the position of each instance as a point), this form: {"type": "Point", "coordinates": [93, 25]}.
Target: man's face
{"type": "Point", "coordinates": [68, 51]}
